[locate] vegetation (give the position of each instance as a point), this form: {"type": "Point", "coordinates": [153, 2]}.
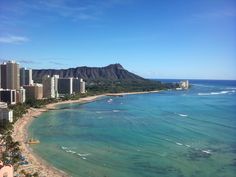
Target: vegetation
{"type": "Point", "coordinates": [118, 86]}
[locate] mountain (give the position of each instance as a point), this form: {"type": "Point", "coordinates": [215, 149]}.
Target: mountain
{"type": "Point", "coordinates": [111, 72]}
{"type": "Point", "coordinates": [109, 79]}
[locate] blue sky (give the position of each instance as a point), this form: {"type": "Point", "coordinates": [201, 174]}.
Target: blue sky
{"type": "Point", "coordinates": [152, 38]}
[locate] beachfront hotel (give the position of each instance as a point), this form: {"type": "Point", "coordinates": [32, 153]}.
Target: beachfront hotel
{"type": "Point", "coordinates": [34, 91]}
{"type": "Point", "coordinates": [78, 85]}
{"type": "Point", "coordinates": [26, 77]}
{"type": "Point", "coordinates": [71, 85]}
{"type": "Point", "coordinates": [184, 84]}
{"type": "Point", "coordinates": [65, 86]}
{"type": "Point", "coordinates": [48, 87]}
{"type": "Point", "coordinates": [82, 86]}
{"type": "Point", "coordinates": [11, 92]}
{"type": "Point", "coordinates": [10, 75]}
{"type": "Point", "coordinates": [20, 95]}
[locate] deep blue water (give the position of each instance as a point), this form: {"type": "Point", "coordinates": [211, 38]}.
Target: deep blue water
{"type": "Point", "coordinates": [166, 134]}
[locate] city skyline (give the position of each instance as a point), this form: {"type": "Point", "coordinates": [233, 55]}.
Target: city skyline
{"type": "Point", "coordinates": [154, 39]}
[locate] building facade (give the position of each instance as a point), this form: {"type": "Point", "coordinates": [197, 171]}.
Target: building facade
{"type": "Point", "coordinates": [184, 84]}
{"type": "Point", "coordinates": [48, 86]}
{"type": "Point", "coordinates": [20, 95]}
{"type": "Point", "coordinates": [65, 86]}
{"type": "Point", "coordinates": [3, 76]}
{"type": "Point", "coordinates": [25, 77]}
{"type": "Point", "coordinates": [56, 77]}
{"type": "Point", "coordinates": [8, 96]}
{"type": "Point", "coordinates": [76, 85]}
{"type": "Point", "coordinates": [34, 91]}
{"type": "Point", "coordinates": [12, 75]}
{"type": "Point", "coordinates": [82, 86]}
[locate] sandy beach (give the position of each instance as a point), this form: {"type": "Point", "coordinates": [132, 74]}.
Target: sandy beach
{"type": "Point", "coordinates": [20, 134]}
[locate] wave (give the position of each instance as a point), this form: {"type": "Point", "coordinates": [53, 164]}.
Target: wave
{"type": "Point", "coordinates": [187, 145]}
{"type": "Point", "coordinates": [180, 144]}
{"type": "Point", "coordinates": [217, 93]}
{"type": "Point", "coordinates": [68, 150]}
{"type": "Point", "coordinates": [183, 115]}
{"type": "Point", "coordinates": [115, 111]}
{"type": "Point", "coordinates": [207, 151]}
{"type": "Point", "coordinates": [231, 88]}
{"type": "Point", "coordinates": [83, 155]}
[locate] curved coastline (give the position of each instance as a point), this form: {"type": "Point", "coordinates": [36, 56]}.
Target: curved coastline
{"type": "Point", "coordinates": [20, 134]}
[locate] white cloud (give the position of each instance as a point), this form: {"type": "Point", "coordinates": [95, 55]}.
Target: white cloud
{"type": "Point", "coordinates": [11, 39]}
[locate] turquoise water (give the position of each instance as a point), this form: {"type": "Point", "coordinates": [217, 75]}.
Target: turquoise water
{"type": "Point", "coordinates": [167, 134]}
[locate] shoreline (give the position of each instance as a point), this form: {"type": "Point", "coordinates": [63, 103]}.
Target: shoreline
{"type": "Point", "coordinates": [20, 134]}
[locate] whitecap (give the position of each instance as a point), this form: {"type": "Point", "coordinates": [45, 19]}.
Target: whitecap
{"type": "Point", "coordinates": [183, 115]}
{"type": "Point", "coordinates": [207, 151]}
{"type": "Point", "coordinates": [83, 155]}
{"type": "Point", "coordinates": [64, 148]}
{"type": "Point", "coordinates": [84, 158]}
{"type": "Point", "coordinates": [180, 144]}
{"type": "Point", "coordinates": [187, 145]}
{"type": "Point", "coordinates": [70, 151]}
{"type": "Point", "coordinates": [115, 111]}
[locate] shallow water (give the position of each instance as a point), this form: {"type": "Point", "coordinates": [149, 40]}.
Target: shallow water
{"type": "Point", "coordinates": [166, 134]}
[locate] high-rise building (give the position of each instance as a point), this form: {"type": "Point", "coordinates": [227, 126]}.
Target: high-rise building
{"type": "Point", "coordinates": [82, 86]}
{"type": "Point", "coordinates": [65, 85]}
{"type": "Point", "coordinates": [56, 77]}
{"type": "Point", "coordinates": [20, 95]}
{"type": "Point", "coordinates": [76, 85]}
{"type": "Point", "coordinates": [12, 75]}
{"type": "Point", "coordinates": [48, 87]}
{"type": "Point", "coordinates": [34, 91]}
{"type": "Point", "coordinates": [4, 75]}
{"type": "Point", "coordinates": [8, 96]}
{"type": "Point", "coordinates": [25, 77]}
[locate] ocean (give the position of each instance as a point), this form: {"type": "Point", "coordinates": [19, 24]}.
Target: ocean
{"type": "Point", "coordinates": [165, 134]}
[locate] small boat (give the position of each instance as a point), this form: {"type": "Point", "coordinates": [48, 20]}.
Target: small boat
{"type": "Point", "coordinates": [33, 141]}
